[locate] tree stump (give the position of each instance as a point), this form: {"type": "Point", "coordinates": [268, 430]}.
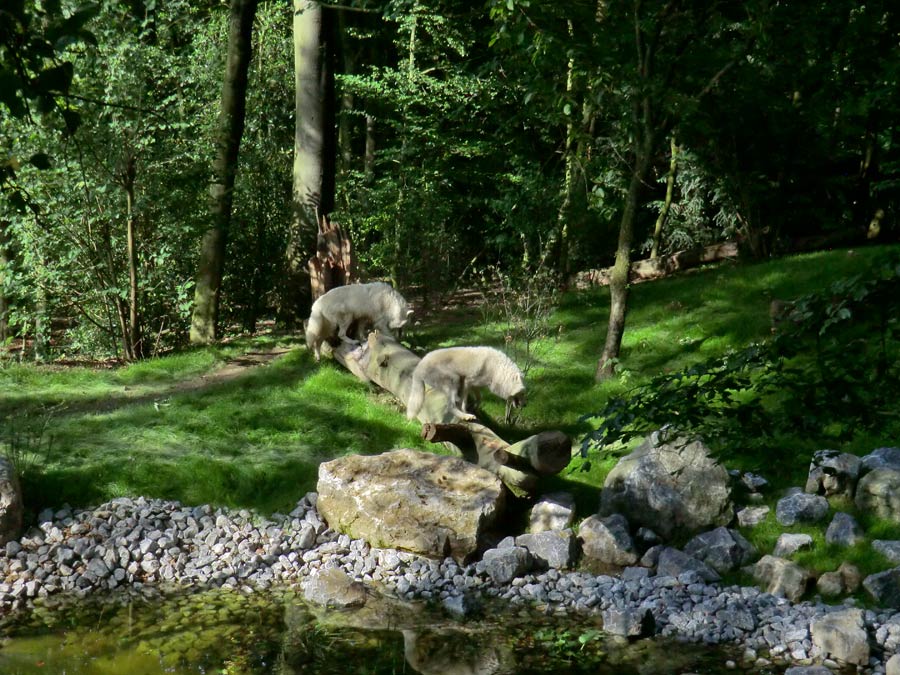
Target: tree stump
{"type": "Point", "coordinates": [334, 263]}
{"type": "Point", "coordinates": [387, 363]}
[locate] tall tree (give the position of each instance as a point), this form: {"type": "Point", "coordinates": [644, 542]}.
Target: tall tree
{"type": "Point", "coordinates": [314, 148]}
{"type": "Point", "coordinates": [230, 129]}
{"type": "Point", "coordinates": [680, 51]}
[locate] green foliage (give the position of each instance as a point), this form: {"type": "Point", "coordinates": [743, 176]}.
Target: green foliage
{"type": "Point", "coordinates": [830, 369]}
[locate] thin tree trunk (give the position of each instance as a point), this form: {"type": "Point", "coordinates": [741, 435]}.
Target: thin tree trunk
{"type": "Point", "coordinates": [134, 327]}
{"type": "Point", "coordinates": [667, 204]}
{"type": "Point", "coordinates": [5, 261]}
{"type": "Point", "coordinates": [230, 129]}
{"type": "Point", "coordinates": [313, 179]}
{"type": "Point", "coordinates": [618, 282]}
{"type": "Point", "coordinates": [369, 160]}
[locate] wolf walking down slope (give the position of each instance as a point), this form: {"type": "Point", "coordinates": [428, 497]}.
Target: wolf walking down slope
{"type": "Point", "coordinates": [376, 303]}
{"type": "Point", "coordinates": [455, 370]}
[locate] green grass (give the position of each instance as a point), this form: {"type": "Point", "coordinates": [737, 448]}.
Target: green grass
{"type": "Point", "coordinates": [256, 441]}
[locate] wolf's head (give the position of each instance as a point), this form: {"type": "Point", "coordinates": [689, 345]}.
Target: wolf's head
{"type": "Point", "coordinates": [518, 400]}
{"type": "Point", "coordinates": [400, 318]}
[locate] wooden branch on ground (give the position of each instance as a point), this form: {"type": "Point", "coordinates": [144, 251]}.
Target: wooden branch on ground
{"type": "Point", "coordinates": [654, 268]}
{"type": "Point", "coordinates": [387, 363]}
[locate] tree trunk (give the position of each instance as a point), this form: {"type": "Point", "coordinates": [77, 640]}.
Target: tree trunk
{"type": "Point", "coordinates": [133, 335]}
{"type": "Point", "coordinates": [313, 173]}
{"type": "Point", "coordinates": [667, 204]}
{"type": "Point", "coordinates": [230, 129]}
{"type": "Point", "coordinates": [369, 159]}
{"type": "Point", "coordinates": [5, 261]}
{"type": "Point", "coordinates": [618, 282]}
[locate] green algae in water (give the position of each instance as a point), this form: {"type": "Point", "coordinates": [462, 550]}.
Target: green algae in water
{"type": "Point", "coordinates": [229, 633]}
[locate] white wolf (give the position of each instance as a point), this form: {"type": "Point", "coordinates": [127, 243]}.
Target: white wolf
{"type": "Point", "coordinates": [455, 370]}
{"type": "Point", "coordinates": [377, 304]}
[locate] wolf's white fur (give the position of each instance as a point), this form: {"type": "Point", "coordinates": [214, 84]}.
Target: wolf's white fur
{"type": "Point", "coordinates": [376, 303]}
{"type": "Point", "coordinates": [455, 370]}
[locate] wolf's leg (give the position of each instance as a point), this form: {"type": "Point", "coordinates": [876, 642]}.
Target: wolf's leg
{"type": "Point", "coordinates": [453, 394]}
{"type": "Point", "coordinates": [342, 332]}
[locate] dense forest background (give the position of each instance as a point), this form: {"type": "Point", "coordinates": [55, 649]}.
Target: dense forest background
{"type": "Point", "coordinates": [449, 138]}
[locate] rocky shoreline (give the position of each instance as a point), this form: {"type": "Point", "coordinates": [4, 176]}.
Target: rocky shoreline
{"type": "Point", "coordinates": [141, 544]}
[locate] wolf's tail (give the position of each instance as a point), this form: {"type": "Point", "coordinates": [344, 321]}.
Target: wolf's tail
{"type": "Point", "coordinates": [416, 395]}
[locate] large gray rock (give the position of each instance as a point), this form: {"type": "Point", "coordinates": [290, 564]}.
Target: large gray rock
{"type": "Point", "coordinates": [881, 458]}
{"type": "Point", "coordinates": [674, 563]}
{"type": "Point", "coordinates": [10, 502]}
{"type": "Point", "coordinates": [406, 499]}
{"type": "Point", "coordinates": [833, 473]}
{"type": "Point", "coordinates": [844, 530]}
{"type": "Point", "coordinates": [722, 549]}
{"type": "Point", "coordinates": [607, 541]}
{"type": "Point", "coordinates": [842, 635]}
{"type": "Point", "coordinates": [554, 511]}
{"type": "Point", "coordinates": [505, 564]}
{"type": "Point", "coordinates": [669, 485]}
{"type": "Point", "coordinates": [884, 587]}
{"type": "Point", "coordinates": [781, 577]}
{"type": "Point", "coordinates": [801, 508]}
{"type": "Point", "coordinates": [557, 549]}
{"type": "Point", "coordinates": [878, 493]}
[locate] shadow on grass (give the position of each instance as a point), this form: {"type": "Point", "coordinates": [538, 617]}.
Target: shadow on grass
{"type": "Point", "coordinates": [251, 442]}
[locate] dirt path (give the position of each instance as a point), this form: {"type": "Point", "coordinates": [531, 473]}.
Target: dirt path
{"type": "Point", "coordinates": [231, 370]}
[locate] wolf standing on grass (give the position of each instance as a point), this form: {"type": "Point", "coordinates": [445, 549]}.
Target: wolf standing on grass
{"type": "Point", "coordinates": [455, 370]}
{"type": "Point", "coordinates": [377, 304]}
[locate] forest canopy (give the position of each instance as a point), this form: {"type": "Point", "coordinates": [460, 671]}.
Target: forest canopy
{"type": "Point", "coordinates": [451, 137]}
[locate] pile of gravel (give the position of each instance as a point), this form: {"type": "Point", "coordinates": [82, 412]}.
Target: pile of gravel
{"type": "Point", "coordinates": [153, 544]}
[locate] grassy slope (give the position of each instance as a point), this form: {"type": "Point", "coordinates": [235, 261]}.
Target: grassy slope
{"type": "Point", "coordinates": [256, 442]}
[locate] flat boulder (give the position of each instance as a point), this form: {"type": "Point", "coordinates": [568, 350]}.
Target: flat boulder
{"type": "Point", "coordinates": [428, 504]}
{"type": "Point", "coordinates": [669, 484]}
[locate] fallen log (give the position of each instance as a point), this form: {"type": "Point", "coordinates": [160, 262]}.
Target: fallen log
{"type": "Point", "coordinates": [654, 268]}
{"type": "Point", "coordinates": [387, 363]}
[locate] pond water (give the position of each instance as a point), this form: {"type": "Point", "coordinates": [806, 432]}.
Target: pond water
{"type": "Point", "coordinates": [224, 633]}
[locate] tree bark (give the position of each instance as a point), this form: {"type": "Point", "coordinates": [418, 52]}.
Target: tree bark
{"type": "Point", "coordinates": [618, 282]}
{"type": "Point", "coordinates": [133, 336]}
{"type": "Point", "coordinates": [230, 129]}
{"type": "Point", "coordinates": [313, 173]}
{"type": "Point", "coordinates": [5, 260]}
{"type": "Point", "coordinates": [667, 203]}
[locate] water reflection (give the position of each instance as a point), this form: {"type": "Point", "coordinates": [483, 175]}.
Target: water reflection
{"type": "Point", "coordinates": [228, 633]}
